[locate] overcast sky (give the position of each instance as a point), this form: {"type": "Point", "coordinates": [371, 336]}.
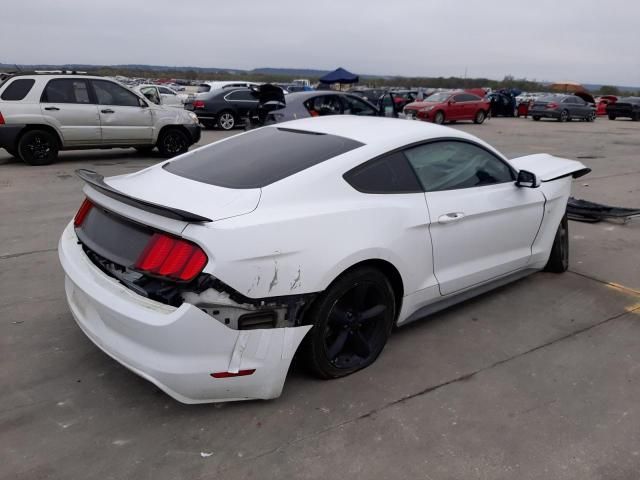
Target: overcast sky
{"type": "Point", "coordinates": [592, 41]}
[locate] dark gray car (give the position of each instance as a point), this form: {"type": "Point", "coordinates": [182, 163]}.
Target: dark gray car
{"type": "Point", "coordinates": [563, 108]}
{"type": "Point", "coordinates": [324, 102]}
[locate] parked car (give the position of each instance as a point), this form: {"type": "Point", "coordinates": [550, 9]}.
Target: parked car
{"type": "Point", "coordinates": [563, 108]}
{"type": "Point", "coordinates": [41, 114]}
{"type": "Point", "coordinates": [332, 230]}
{"type": "Point", "coordinates": [444, 107]}
{"type": "Point", "coordinates": [226, 108]}
{"type": "Point", "coordinates": [162, 95]}
{"type": "Point", "coordinates": [627, 107]}
{"type": "Point", "coordinates": [323, 103]}
{"type": "Point", "coordinates": [206, 87]}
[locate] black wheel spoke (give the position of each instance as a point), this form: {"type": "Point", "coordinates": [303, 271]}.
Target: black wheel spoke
{"type": "Point", "coordinates": [360, 344]}
{"type": "Point", "coordinates": [373, 312]}
{"type": "Point", "coordinates": [338, 344]}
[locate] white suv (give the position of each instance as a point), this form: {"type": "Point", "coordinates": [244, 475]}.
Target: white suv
{"type": "Point", "coordinates": [42, 114]}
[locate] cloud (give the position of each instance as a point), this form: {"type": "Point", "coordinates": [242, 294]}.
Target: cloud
{"type": "Point", "coordinates": [588, 40]}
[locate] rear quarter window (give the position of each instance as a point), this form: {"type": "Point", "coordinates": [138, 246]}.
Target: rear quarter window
{"type": "Point", "coordinates": [388, 174]}
{"type": "Point", "coordinates": [18, 89]}
{"type": "Point", "coordinates": [260, 157]}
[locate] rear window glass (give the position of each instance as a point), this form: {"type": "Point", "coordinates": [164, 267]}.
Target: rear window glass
{"type": "Point", "coordinates": [260, 157]}
{"type": "Point", "coordinates": [17, 89]}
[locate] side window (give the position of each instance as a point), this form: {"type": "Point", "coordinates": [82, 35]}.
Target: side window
{"type": "Point", "coordinates": [324, 105]}
{"type": "Point", "coordinates": [109, 93]}
{"type": "Point", "coordinates": [450, 165]}
{"type": "Point", "coordinates": [567, 100]}
{"type": "Point", "coordinates": [165, 91]}
{"type": "Point", "coordinates": [466, 97]}
{"type": "Point", "coordinates": [355, 106]}
{"type": "Point", "coordinates": [388, 174]}
{"type": "Point", "coordinates": [66, 90]}
{"type": "Point", "coordinates": [242, 95]}
{"type": "Point", "coordinates": [17, 89]}
{"type": "Point", "coordinates": [151, 94]}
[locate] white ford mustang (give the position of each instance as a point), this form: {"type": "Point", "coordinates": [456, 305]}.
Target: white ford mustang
{"type": "Point", "coordinates": [204, 274]}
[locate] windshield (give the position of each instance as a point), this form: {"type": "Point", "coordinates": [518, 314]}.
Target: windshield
{"type": "Point", "coordinates": [438, 97]}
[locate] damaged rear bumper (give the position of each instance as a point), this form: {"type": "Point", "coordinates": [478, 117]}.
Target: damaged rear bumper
{"type": "Point", "coordinates": [177, 349]}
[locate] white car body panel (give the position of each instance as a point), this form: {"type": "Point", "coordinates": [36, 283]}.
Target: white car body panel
{"type": "Point", "coordinates": [293, 238]}
{"type": "Point", "coordinates": [149, 338]}
{"type": "Point", "coordinates": [482, 233]}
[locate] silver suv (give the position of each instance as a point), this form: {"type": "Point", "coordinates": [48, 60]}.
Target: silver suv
{"type": "Point", "coordinates": [41, 114]}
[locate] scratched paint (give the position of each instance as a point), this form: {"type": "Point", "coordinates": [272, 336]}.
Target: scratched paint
{"type": "Point", "coordinates": [296, 281]}
{"type": "Point", "coordinates": [274, 280]}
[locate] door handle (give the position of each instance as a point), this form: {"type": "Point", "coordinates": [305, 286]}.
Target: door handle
{"type": "Point", "coordinates": [451, 217]}
{"type": "Point", "coordinates": [107, 110]}
{"type": "Point", "coordinates": [52, 108]}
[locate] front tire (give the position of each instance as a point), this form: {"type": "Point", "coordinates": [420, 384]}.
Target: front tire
{"type": "Point", "coordinates": [226, 120]}
{"type": "Point", "coordinates": [564, 116]}
{"type": "Point", "coordinates": [612, 117]}
{"type": "Point", "coordinates": [559, 258]}
{"type": "Point", "coordinates": [479, 118]}
{"type": "Point", "coordinates": [536, 118]}
{"type": "Point", "coordinates": [38, 147]}
{"type": "Point", "coordinates": [352, 321]}
{"type": "Point", "coordinates": [439, 118]}
{"type": "Point", "coordinates": [173, 142]}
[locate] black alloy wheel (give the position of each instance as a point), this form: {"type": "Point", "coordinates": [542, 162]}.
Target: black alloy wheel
{"type": "Point", "coordinates": [352, 322]}
{"type": "Point", "coordinates": [173, 142]}
{"type": "Point", "coordinates": [38, 147]}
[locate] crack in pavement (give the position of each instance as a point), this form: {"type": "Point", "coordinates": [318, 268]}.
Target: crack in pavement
{"type": "Point", "coordinates": [21, 254]}
{"type": "Point", "coordinates": [614, 285]}
{"type": "Point", "coordinates": [434, 388]}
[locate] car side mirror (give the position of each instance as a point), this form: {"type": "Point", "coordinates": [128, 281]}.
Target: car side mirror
{"type": "Point", "coordinates": [527, 179]}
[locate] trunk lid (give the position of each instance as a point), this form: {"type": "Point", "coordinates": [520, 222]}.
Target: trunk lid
{"type": "Point", "coordinates": [161, 187]}
{"type": "Point", "coordinates": [548, 168]}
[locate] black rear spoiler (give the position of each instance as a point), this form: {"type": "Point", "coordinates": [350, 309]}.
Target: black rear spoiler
{"type": "Point", "coordinates": [97, 181]}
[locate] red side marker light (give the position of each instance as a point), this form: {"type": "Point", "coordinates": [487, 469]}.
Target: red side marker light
{"type": "Point", "coordinates": [241, 373]}
{"type": "Point", "coordinates": [84, 210]}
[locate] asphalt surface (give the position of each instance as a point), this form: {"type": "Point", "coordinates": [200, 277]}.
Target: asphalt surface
{"type": "Point", "coordinates": [536, 380]}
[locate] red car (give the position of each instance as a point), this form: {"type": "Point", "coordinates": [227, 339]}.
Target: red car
{"type": "Point", "coordinates": [449, 107]}
{"type": "Point", "coordinates": [603, 101]}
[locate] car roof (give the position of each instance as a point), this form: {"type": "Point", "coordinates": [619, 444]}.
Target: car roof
{"type": "Point", "coordinates": [385, 133]}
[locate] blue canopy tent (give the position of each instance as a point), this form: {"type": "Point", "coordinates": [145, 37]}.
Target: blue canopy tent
{"type": "Point", "coordinates": [339, 75]}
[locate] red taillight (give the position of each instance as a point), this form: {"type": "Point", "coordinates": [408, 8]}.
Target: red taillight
{"type": "Point", "coordinates": [1, 119]}
{"type": "Point", "coordinates": [552, 105]}
{"type": "Point", "coordinates": [198, 104]}
{"type": "Point", "coordinates": [241, 373]}
{"type": "Point", "coordinates": [82, 212]}
{"type": "Point", "coordinates": [172, 257]}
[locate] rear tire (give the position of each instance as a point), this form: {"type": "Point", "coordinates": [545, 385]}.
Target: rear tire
{"type": "Point", "coordinates": [536, 117]}
{"type": "Point", "coordinates": [352, 321]}
{"type": "Point", "coordinates": [564, 116]}
{"type": "Point", "coordinates": [612, 117]}
{"type": "Point", "coordinates": [559, 258]}
{"type": "Point", "coordinates": [439, 118]}
{"type": "Point", "coordinates": [173, 142]}
{"type": "Point", "coordinates": [38, 147]}
{"type": "Point", "coordinates": [226, 120]}
{"type": "Point", "coordinates": [479, 118]}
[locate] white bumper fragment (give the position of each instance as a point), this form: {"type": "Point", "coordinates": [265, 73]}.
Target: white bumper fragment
{"type": "Point", "coordinates": [177, 349]}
